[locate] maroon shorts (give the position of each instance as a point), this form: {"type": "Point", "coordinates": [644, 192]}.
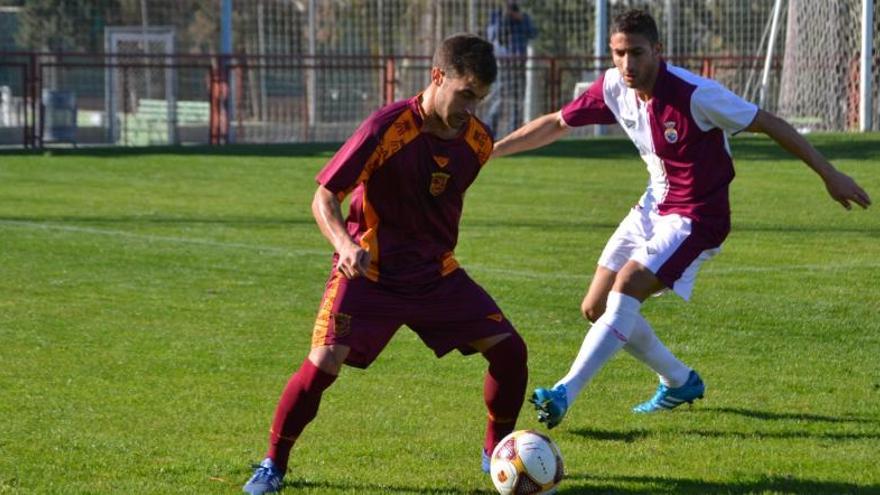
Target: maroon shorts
{"type": "Point", "coordinates": [364, 315]}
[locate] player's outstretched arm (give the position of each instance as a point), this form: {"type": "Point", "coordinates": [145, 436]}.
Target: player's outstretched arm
{"type": "Point", "coordinates": [539, 132]}
{"type": "Point", "coordinates": [840, 186]}
{"type": "Point", "coordinates": [353, 259]}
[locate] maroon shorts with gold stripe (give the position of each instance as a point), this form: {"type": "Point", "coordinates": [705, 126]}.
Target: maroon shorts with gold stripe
{"type": "Point", "coordinates": [364, 315]}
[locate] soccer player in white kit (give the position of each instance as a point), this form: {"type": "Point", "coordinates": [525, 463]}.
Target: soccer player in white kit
{"type": "Point", "coordinates": [679, 122]}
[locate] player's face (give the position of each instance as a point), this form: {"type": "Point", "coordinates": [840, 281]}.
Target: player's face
{"type": "Point", "coordinates": [457, 97]}
{"type": "Point", "coordinates": [636, 58]}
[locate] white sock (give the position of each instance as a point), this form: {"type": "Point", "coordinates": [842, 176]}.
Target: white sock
{"type": "Point", "coordinates": [610, 332]}
{"type": "Point", "coordinates": [644, 345]}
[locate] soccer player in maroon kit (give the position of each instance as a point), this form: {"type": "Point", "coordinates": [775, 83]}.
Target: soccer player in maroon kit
{"type": "Point", "coordinates": [679, 123]}
{"type": "Point", "coordinates": [406, 168]}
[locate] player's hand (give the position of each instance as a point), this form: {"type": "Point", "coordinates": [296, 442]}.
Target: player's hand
{"type": "Point", "coordinates": [843, 189]}
{"type": "Point", "coordinates": [353, 261]}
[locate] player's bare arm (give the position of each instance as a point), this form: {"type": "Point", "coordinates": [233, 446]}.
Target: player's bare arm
{"type": "Point", "coordinates": [353, 259]}
{"type": "Point", "coordinates": [539, 132]}
{"type": "Point", "coordinates": [840, 186]}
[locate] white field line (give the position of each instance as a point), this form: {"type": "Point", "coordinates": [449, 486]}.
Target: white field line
{"type": "Point", "coordinates": [478, 267]}
{"type": "Point", "coordinates": [164, 238]}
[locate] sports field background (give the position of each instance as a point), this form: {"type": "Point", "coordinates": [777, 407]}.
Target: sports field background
{"type": "Point", "coordinates": [153, 304]}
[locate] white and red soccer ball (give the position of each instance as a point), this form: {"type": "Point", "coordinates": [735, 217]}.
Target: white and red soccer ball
{"type": "Point", "coordinates": [526, 463]}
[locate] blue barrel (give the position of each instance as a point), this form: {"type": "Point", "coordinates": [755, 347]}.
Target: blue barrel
{"type": "Point", "coordinates": [59, 116]}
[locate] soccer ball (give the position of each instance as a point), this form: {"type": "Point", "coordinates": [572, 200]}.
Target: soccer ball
{"type": "Point", "coordinates": [526, 463]}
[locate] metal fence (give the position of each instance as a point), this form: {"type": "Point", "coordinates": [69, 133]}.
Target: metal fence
{"type": "Point", "coordinates": [147, 72]}
{"type": "Point", "coordinates": [140, 100]}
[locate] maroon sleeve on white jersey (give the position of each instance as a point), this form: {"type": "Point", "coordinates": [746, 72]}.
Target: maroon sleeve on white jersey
{"type": "Point", "coordinates": [589, 107]}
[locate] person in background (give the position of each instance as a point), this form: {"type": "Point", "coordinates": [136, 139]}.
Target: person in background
{"type": "Point", "coordinates": [510, 30]}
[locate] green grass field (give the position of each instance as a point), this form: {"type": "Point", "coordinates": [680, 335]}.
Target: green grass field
{"type": "Point", "coordinates": [154, 303]}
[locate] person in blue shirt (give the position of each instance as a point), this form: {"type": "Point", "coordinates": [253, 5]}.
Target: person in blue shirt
{"type": "Point", "coordinates": [510, 30]}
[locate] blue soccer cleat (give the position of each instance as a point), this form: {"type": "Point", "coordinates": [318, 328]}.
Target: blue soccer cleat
{"type": "Point", "coordinates": [486, 464]}
{"type": "Point", "coordinates": [670, 398]}
{"type": "Point", "coordinates": [266, 479]}
{"type": "Point", "coordinates": [550, 404]}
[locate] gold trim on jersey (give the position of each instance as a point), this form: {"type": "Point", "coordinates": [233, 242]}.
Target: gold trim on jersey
{"type": "Point", "coordinates": [479, 140]}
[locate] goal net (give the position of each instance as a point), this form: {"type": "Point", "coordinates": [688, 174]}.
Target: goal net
{"type": "Point", "coordinates": [819, 88]}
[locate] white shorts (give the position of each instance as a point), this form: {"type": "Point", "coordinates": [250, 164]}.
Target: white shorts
{"type": "Point", "coordinates": [672, 246]}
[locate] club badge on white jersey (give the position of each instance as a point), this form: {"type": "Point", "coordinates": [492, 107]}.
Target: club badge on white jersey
{"type": "Point", "coordinates": [670, 133]}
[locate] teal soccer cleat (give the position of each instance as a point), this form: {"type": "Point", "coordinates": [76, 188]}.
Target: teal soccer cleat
{"type": "Point", "coordinates": [670, 398]}
{"type": "Point", "coordinates": [486, 464]}
{"type": "Point", "coordinates": [266, 479]}
{"type": "Point", "coordinates": [551, 404]}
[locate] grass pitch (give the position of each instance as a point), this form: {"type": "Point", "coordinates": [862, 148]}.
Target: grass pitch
{"type": "Point", "coordinates": [154, 303]}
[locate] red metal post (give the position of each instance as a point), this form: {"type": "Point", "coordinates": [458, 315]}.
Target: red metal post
{"type": "Point", "coordinates": [555, 82]}
{"type": "Point", "coordinates": [239, 84]}
{"type": "Point", "coordinates": [31, 98]}
{"type": "Point", "coordinates": [389, 80]}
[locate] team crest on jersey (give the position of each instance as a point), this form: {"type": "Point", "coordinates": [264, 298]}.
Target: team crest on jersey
{"type": "Point", "coordinates": [341, 324]}
{"type": "Point", "coordinates": [439, 180]}
{"type": "Point", "coordinates": [670, 133]}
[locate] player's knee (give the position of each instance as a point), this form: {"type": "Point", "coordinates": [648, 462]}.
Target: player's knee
{"type": "Point", "coordinates": [592, 310]}
{"type": "Point", "coordinates": [511, 351]}
{"type": "Point", "coordinates": [517, 348]}
{"type": "Point", "coordinates": [329, 358]}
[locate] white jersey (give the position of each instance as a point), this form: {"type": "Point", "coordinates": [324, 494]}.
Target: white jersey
{"type": "Point", "coordinates": [681, 134]}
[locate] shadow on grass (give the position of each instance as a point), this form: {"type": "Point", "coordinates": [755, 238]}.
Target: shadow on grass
{"type": "Point", "coordinates": [558, 224]}
{"type": "Point", "coordinates": [833, 146]}
{"type": "Point", "coordinates": [268, 150]}
{"type": "Point", "coordinates": [632, 436]}
{"type": "Point", "coordinates": [773, 416]}
{"type": "Point", "coordinates": [318, 486]}
{"type": "Point", "coordinates": [750, 147]}
{"type": "Point", "coordinates": [612, 485]}
{"type": "Point", "coordinates": [561, 225]}
{"type": "Point", "coordinates": [160, 220]}
{"type": "Point", "coordinates": [656, 484]}
{"type": "Point", "coordinates": [612, 436]}
{"type": "Point", "coordinates": [807, 229]}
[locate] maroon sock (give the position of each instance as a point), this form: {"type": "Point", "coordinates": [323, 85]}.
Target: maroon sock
{"type": "Point", "coordinates": [297, 406]}
{"type": "Point", "coordinates": [505, 387]}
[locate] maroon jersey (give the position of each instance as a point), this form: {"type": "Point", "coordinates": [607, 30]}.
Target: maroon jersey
{"type": "Point", "coordinates": [681, 134]}
{"type": "Point", "coordinates": [407, 190]}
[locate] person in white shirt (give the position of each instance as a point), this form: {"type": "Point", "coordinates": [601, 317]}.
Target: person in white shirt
{"type": "Point", "coordinates": [679, 123]}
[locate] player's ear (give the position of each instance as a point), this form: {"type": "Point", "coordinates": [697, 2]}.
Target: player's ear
{"type": "Point", "coordinates": [658, 48]}
{"type": "Point", "coordinates": [437, 76]}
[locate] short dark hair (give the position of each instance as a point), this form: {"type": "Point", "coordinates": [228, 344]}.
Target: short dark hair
{"type": "Point", "coordinates": [636, 21]}
{"type": "Point", "coordinates": [464, 54]}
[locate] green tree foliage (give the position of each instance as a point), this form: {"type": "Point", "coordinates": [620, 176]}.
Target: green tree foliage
{"type": "Point", "coordinates": [64, 25]}
{"type": "Point", "coordinates": [78, 25]}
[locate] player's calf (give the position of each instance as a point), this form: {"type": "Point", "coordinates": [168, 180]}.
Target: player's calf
{"type": "Point", "coordinates": [504, 387]}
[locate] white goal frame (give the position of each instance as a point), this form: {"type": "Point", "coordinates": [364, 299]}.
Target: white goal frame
{"type": "Point", "coordinates": [162, 35]}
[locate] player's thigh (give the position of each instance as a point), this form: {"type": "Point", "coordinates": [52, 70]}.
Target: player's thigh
{"type": "Point", "coordinates": [674, 253]}
{"type": "Point", "coordinates": [356, 318]}
{"type": "Point", "coordinates": [458, 313]}
{"type": "Point", "coordinates": [632, 233]}
{"type": "Point", "coordinates": [594, 301]}
{"type": "Point", "coordinates": [637, 281]}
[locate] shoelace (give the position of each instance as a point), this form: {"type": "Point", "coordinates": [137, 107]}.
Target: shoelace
{"type": "Point", "coordinates": [661, 391]}
{"type": "Point", "coordinates": [262, 473]}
